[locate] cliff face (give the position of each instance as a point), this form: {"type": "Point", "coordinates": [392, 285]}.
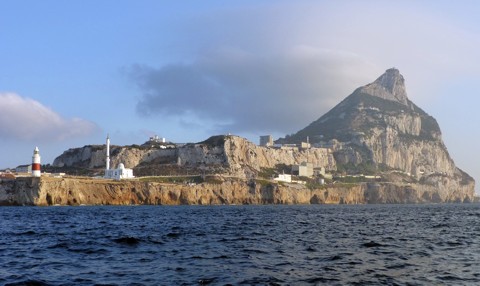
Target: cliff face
{"type": "Point", "coordinates": [83, 191]}
{"type": "Point", "coordinates": [87, 157]}
{"type": "Point", "coordinates": [231, 155]}
{"type": "Point", "coordinates": [94, 156]}
{"type": "Point", "coordinates": [241, 158]}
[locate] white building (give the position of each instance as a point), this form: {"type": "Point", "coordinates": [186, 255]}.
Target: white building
{"type": "Point", "coordinates": [121, 172]}
{"type": "Point", "coordinates": [284, 178]}
{"type": "Point", "coordinates": [157, 139]}
{"type": "Point", "coordinates": [24, 169]}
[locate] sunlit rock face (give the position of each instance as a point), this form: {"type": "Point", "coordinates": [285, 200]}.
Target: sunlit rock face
{"type": "Point", "coordinates": [47, 191]}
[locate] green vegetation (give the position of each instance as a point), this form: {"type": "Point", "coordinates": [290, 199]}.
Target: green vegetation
{"type": "Point", "coordinates": [214, 141]}
{"type": "Point", "coordinates": [366, 168]}
{"type": "Point", "coordinates": [269, 173]}
{"type": "Point", "coordinates": [96, 147]}
{"type": "Point", "coordinates": [135, 146]}
{"type": "Point", "coordinates": [184, 179]}
{"type": "Point", "coordinates": [351, 180]}
{"type": "Point", "coordinates": [466, 179]}
{"type": "Point", "coordinates": [174, 180]}
{"type": "Point", "coordinates": [262, 182]}
{"type": "Point", "coordinates": [73, 171]}
{"type": "Point", "coordinates": [345, 118]}
{"type": "Point", "coordinates": [213, 180]}
{"type": "Point", "coordinates": [429, 127]}
{"type": "Point", "coordinates": [315, 185]}
{"type": "Point", "coordinates": [380, 103]}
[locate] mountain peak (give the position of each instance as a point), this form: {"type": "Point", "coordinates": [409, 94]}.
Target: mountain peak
{"type": "Point", "coordinates": [389, 86]}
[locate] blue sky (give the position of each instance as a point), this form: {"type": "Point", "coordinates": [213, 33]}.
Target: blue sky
{"type": "Point", "coordinates": [73, 71]}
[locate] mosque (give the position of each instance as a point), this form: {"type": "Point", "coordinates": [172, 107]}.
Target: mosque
{"type": "Point", "coordinates": [121, 172]}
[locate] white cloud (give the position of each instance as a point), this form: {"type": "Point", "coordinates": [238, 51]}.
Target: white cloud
{"type": "Point", "coordinates": [26, 119]}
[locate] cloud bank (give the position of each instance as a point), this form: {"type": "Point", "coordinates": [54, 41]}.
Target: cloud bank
{"type": "Point", "coordinates": [244, 92]}
{"type": "Point", "coordinates": [26, 119]}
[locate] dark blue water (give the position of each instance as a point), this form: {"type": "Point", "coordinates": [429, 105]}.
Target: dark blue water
{"type": "Point", "coordinates": [241, 245]}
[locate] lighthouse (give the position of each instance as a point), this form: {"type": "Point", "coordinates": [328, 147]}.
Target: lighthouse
{"type": "Point", "coordinates": [36, 163]}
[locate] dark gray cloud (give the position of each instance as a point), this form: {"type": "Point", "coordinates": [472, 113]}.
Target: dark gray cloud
{"type": "Point", "coordinates": [242, 92]}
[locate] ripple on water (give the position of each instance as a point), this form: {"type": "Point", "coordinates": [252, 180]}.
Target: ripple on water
{"type": "Point", "coordinates": [127, 240]}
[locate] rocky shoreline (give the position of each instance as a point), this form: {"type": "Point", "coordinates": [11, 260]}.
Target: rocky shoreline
{"type": "Point", "coordinates": [46, 191]}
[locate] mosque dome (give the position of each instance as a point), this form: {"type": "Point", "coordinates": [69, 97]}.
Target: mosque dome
{"type": "Point", "coordinates": [121, 166]}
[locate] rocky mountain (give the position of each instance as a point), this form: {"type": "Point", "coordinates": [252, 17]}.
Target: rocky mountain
{"type": "Point", "coordinates": [378, 129]}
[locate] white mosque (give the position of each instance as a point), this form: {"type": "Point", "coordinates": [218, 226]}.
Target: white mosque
{"type": "Point", "coordinates": [121, 172]}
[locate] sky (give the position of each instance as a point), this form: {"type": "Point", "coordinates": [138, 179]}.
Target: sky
{"type": "Point", "coordinates": [72, 72]}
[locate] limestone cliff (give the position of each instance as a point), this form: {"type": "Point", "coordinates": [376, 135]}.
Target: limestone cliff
{"type": "Point", "coordinates": [242, 158]}
{"type": "Point", "coordinates": [85, 191]}
{"type": "Point", "coordinates": [94, 156]}
{"type": "Point", "coordinates": [230, 155]}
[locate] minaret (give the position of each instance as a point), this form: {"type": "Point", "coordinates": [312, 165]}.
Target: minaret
{"type": "Point", "coordinates": [108, 153]}
{"type": "Point", "coordinates": [36, 163]}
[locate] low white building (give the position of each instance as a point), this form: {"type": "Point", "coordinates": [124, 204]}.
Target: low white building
{"type": "Point", "coordinates": [284, 178]}
{"type": "Point", "coordinates": [120, 173]}
{"type": "Point", "coordinates": [24, 169]}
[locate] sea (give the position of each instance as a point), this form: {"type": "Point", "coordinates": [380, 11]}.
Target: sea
{"type": "Point", "coordinates": [428, 244]}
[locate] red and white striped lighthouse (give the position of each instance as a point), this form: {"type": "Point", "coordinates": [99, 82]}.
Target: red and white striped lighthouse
{"type": "Point", "coordinates": [36, 163]}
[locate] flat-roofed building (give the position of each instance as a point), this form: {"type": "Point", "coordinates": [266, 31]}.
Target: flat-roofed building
{"type": "Point", "coordinates": [303, 170]}
{"type": "Point", "coordinates": [266, 140]}
{"type": "Point", "coordinates": [284, 178]}
{"type": "Point", "coordinates": [23, 169]}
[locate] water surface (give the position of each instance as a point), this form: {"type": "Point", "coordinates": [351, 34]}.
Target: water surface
{"type": "Point", "coordinates": [241, 245]}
